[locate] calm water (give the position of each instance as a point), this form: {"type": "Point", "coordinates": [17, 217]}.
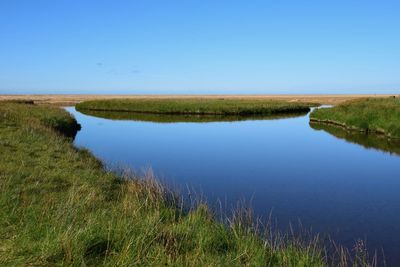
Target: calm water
{"type": "Point", "coordinates": [334, 183]}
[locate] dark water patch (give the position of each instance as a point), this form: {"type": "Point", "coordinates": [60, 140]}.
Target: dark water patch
{"type": "Point", "coordinates": [20, 101]}
{"type": "Point", "coordinates": [68, 129]}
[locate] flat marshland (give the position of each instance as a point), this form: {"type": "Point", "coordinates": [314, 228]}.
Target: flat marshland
{"type": "Point", "coordinates": [380, 115]}
{"type": "Point", "coordinates": [73, 99]}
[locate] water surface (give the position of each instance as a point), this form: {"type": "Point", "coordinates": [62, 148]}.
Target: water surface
{"type": "Point", "coordinates": [335, 183]}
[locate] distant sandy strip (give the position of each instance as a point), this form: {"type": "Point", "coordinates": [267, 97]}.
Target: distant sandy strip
{"type": "Point", "coordinates": [70, 100]}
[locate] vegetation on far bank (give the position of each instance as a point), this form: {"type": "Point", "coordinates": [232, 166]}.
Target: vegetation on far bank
{"type": "Point", "coordinates": [196, 106]}
{"type": "Point", "coordinates": [370, 115]}
{"type": "Point", "coordinates": [60, 207]}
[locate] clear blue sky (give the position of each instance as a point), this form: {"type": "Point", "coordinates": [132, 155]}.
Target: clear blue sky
{"type": "Point", "coordinates": [324, 46]}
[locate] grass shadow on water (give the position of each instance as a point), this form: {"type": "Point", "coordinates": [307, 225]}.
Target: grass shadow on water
{"type": "Point", "coordinates": [174, 118]}
{"type": "Point", "coordinates": [368, 141]}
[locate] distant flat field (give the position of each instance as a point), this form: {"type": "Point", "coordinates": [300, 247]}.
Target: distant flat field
{"type": "Point", "coordinates": [70, 100]}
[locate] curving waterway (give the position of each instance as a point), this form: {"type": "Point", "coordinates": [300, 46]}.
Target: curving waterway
{"type": "Point", "coordinates": [333, 182]}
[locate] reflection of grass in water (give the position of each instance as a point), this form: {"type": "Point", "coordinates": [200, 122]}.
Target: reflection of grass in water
{"type": "Point", "coordinates": [172, 118]}
{"type": "Point", "coordinates": [375, 141]}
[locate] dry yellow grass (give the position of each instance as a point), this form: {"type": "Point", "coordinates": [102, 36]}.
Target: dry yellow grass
{"type": "Point", "coordinates": [65, 100]}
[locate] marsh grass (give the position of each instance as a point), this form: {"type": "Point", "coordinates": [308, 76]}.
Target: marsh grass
{"type": "Point", "coordinates": [370, 115]}
{"type": "Point", "coordinates": [59, 206]}
{"type": "Point", "coordinates": [196, 106]}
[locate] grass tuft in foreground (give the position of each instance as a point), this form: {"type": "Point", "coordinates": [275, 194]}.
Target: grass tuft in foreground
{"type": "Point", "coordinates": [60, 207]}
{"type": "Point", "coordinates": [370, 115]}
{"type": "Point", "coordinates": [196, 106]}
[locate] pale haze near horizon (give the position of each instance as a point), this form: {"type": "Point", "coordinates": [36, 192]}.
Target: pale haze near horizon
{"type": "Point", "coordinates": [203, 47]}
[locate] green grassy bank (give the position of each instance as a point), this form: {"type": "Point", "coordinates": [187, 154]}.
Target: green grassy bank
{"type": "Point", "coordinates": [195, 106]}
{"type": "Point", "coordinates": [380, 115]}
